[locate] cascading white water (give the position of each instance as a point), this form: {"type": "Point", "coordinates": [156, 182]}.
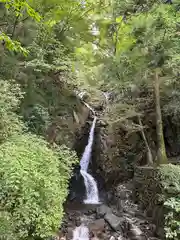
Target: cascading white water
{"type": "Point", "coordinates": [84, 163]}
{"type": "Point", "coordinates": [81, 233]}
{"type": "Point", "coordinates": [90, 108]}
{"type": "Point", "coordinates": [90, 184]}
{"type": "Point", "coordinates": [91, 188]}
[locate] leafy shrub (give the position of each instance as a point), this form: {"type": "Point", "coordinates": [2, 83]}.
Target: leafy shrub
{"type": "Point", "coordinates": [10, 96]}
{"type": "Point", "coordinates": [170, 180]}
{"type": "Point", "coordinates": [172, 218]}
{"type": "Point", "coordinates": [34, 181]}
{"type": "Point", "coordinates": [36, 118]}
{"type": "Point", "coordinates": [7, 231]}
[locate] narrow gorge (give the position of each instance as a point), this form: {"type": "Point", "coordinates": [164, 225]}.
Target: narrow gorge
{"type": "Point", "coordinates": [115, 214]}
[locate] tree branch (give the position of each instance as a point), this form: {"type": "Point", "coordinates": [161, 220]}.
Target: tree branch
{"type": "Point", "coordinates": [15, 24]}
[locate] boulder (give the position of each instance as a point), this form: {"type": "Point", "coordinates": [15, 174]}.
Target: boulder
{"type": "Point", "coordinates": [114, 221]}
{"type": "Point", "coordinates": [69, 234]}
{"type": "Point", "coordinates": [102, 210]}
{"type": "Point", "coordinates": [135, 232]}
{"type": "Point", "coordinates": [97, 226]}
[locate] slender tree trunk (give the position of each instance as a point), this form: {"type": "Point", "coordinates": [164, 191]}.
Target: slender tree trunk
{"type": "Point", "coordinates": [161, 154]}
{"type": "Point", "coordinates": [149, 153]}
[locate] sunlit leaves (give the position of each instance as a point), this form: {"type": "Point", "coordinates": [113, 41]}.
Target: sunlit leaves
{"type": "Point", "coordinates": [19, 8]}
{"type": "Point", "coordinates": [12, 45]}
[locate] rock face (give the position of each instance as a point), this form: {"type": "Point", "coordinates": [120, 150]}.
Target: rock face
{"type": "Point", "coordinates": [63, 129]}
{"type": "Point", "coordinates": [112, 153]}
{"type": "Point", "coordinates": [119, 148]}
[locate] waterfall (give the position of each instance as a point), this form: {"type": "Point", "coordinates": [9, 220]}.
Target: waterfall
{"type": "Point", "coordinates": [90, 184]}
{"type": "Point", "coordinates": [81, 233]}
{"type": "Point", "coordinates": [84, 163]}
{"type": "Point", "coordinates": [91, 188]}
{"type": "Point", "coordinates": [90, 108]}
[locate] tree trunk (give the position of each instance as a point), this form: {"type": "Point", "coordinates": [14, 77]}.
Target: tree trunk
{"type": "Point", "coordinates": [149, 153]}
{"type": "Point", "coordinates": [161, 154]}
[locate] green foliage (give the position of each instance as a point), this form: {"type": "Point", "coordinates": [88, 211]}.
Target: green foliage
{"type": "Point", "coordinates": [93, 45]}
{"type": "Point", "coordinates": [18, 8]}
{"type": "Point", "coordinates": [10, 96]}
{"type": "Point", "coordinates": [146, 41]}
{"type": "Point", "coordinates": [170, 178]}
{"type": "Point", "coordinates": [7, 230]}
{"type": "Point", "coordinates": [172, 219]}
{"type": "Point", "coordinates": [13, 45]}
{"type": "Point", "coordinates": [170, 181]}
{"type": "Point", "coordinates": [34, 181]}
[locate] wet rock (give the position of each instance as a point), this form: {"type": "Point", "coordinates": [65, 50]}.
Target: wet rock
{"type": "Point", "coordinates": [112, 238]}
{"type": "Point", "coordinates": [102, 210]}
{"type": "Point", "coordinates": [102, 123]}
{"type": "Point", "coordinates": [69, 234]}
{"type": "Point", "coordinates": [120, 238]}
{"type": "Point", "coordinates": [97, 226]}
{"type": "Point", "coordinates": [114, 221]}
{"type": "Point", "coordinates": [123, 220]}
{"type": "Point", "coordinates": [135, 233]}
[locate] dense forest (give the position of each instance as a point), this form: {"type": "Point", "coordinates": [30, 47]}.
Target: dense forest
{"type": "Point", "coordinates": [124, 55]}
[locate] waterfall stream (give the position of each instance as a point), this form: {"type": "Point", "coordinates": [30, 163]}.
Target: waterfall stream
{"type": "Point", "coordinates": [81, 233]}
{"type": "Point", "coordinates": [91, 188]}
{"type": "Point", "coordinates": [92, 195]}
{"type": "Point", "coordinates": [84, 163]}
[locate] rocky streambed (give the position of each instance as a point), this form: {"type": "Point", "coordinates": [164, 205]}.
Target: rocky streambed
{"type": "Point", "coordinates": [118, 218]}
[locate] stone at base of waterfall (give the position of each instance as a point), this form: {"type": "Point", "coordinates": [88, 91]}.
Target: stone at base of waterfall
{"type": "Point", "coordinates": [102, 210]}
{"type": "Point", "coordinates": [135, 231]}
{"type": "Point", "coordinates": [97, 227]}
{"type": "Point", "coordinates": [114, 221]}
{"type": "Point", "coordinates": [69, 234]}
